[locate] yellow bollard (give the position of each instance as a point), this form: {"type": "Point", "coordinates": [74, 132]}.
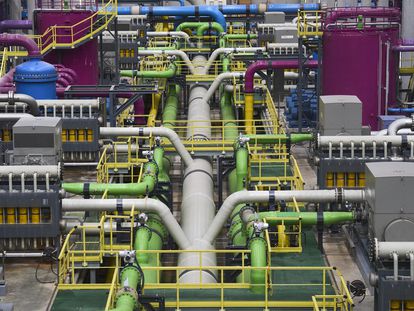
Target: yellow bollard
{"type": "Point", "coordinates": [330, 180]}
{"type": "Point", "coordinates": [361, 180]}
{"type": "Point", "coordinates": [81, 135]}
{"type": "Point", "coordinates": [72, 135]}
{"type": "Point", "coordinates": [11, 217]}
{"type": "Point", "coordinates": [351, 180]}
{"type": "Point", "coordinates": [248, 112]}
{"type": "Point", "coordinates": [22, 215]}
{"type": "Point", "coordinates": [35, 215]}
{"type": "Point", "coordinates": [282, 238]}
{"type": "Point", "coordinates": [89, 135]}
{"type": "Point", "coordinates": [395, 305]}
{"type": "Point", "coordinates": [340, 180]}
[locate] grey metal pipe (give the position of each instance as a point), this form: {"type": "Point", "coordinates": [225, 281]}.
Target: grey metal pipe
{"type": "Point", "coordinates": [311, 196]}
{"type": "Point", "coordinates": [11, 98]}
{"type": "Point", "coordinates": [145, 205]}
{"type": "Point", "coordinates": [153, 131]}
{"type": "Point", "coordinates": [400, 124]}
{"type": "Point", "coordinates": [94, 103]}
{"type": "Point", "coordinates": [219, 51]}
{"type": "Point", "coordinates": [30, 170]}
{"type": "Point", "coordinates": [14, 116]}
{"type": "Point", "coordinates": [22, 255]}
{"type": "Point", "coordinates": [385, 250]}
{"type": "Point", "coordinates": [346, 141]}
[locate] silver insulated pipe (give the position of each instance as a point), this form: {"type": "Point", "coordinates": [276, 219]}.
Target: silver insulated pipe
{"type": "Point", "coordinates": [197, 207]}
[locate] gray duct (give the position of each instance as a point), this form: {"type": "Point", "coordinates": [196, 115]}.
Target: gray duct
{"type": "Point", "coordinates": [197, 208]}
{"type": "Point", "coordinates": [12, 98]}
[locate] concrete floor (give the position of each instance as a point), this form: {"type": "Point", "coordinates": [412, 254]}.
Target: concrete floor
{"type": "Point", "coordinates": [337, 253]}
{"type": "Point", "coordinates": [23, 290]}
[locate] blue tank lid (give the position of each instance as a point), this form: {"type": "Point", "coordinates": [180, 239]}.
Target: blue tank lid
{"type": "Point", "coordinates": [35, 70]}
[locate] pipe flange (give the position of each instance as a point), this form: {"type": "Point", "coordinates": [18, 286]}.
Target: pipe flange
{"type": "Point", "coordinates": [130, 267]}
{"type": "Point", "coordinates": [373, 249]}
{"type": "Point", "coordinates": [162, 232]}
{"type": "Point", "coordinates": [247, 207]}
{"type": "Point", "coordinates": [128, 291]}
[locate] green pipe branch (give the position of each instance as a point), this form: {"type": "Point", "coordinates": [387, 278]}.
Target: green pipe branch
{"type": "Point", "coordinates": [279, 138]}
{"type": "Point", "coordinates": [168, 73]}
{"type": "Point", "coordinates": [127, 297]}
{"type": "Point", "coordinates": [200, 27]}
{"type": "Point", "coordinates": [147, 185]}
{"type": "Point", "coordinates": [170, 111]}
{"type": "Point", "coordinates": [224, 39]}
{"type": "Point", "coordinates": [306, 218]}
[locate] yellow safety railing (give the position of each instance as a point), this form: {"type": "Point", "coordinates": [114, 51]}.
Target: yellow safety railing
{"type": "Point", "coordinates": [4, 57]}
{"type": "Point", "coordinates": [310, 23]}
{"type": "Point", "coordinates": [289, 237]}
{"type": "Point", "coordinates": [56, 36]}
{"type": "Point", "coordinates": [112, 160]}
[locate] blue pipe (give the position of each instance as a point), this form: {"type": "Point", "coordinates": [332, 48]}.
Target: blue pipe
{"type": "Point", "coordinates": [401, 110]}
{"type": "Point", "coordinates": [210, 11]}
{"type": "Point", "coordinates": [254, 8]}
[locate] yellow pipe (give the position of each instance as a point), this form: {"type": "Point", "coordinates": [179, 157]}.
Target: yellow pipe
{"type": "Point", "coordinates": [156, 98]}
{"type": "Point", "coordinates": [340, 180]}
{"type": "Point", "coordinates": [72, 135]}
{"type": "Point", "coordinates": [81, 135]}
{"type": "Point", "coordinates": [395, 305]}
{"type": "Point", "coordinates": [329, 180]}
{"type": "Point", "coordinates": [351, 180]}
{"type": "Point", "coordinates": [248, 113]}
{"type": "Point", "coordinates": [22, 215]}
{"type": "Point", "coordinates": [35, 215]}
{"type": "Point", "coordinates": [90, 135]}
{"type": "Point", "coordinates": [11, 217]}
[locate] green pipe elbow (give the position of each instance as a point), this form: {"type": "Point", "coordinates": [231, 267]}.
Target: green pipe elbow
{"type": "Point", "coordinates": [169, 73]}
{"type": "Point", "coordinates": [206, 26]}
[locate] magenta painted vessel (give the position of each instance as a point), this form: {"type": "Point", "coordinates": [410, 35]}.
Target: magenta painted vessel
{"type": "Point", "coordinates": [355, 62]}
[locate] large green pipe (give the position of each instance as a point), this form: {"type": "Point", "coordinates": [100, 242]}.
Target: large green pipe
{"type": "Point", "coordinates": [169, 114]}
{"type": "Point", "coordinates": [226, 37]}
{"type": "Point", "coordinates": [127, 297]}
{"type": "Point", "coordinates": [146, 186]}
{"type": "Point", "coordinates": [306, 218]}
{"type": "Point", "coordinates": [150, 237]}
{"type": "Point", "coordinates": [242, 160]}
{"type": "Point", "coordinates": [258, 262]}
{"type": "Point", "coordinates": [169, 73]}
{"type": "Point", "coordinates": [227, 114]}
{"type": "Point", "coordinates": [280, 138]}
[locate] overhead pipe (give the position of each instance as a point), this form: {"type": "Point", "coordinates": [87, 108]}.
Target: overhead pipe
{"type": "Point", "coordinates": [151, 131]}
{"type": "Point", "coordinates": [13, 24]}
{"type": "Point", "coordinates": [220, 51]}
{"type": "Point", "coordinates": [385, 250]}
{"type": "Point", "coordinates": [186, 11]}
{"type": "Point", "coordinates": [398, 124]}
{"type": "Point", "coordinates": [14, 116]}
{"type": "Point", "coordinates": [401, 110]}
{"type": "Point", "coordinates": [7, 39]}
{"type": "Point", "coordinates": [145, 205]}
{"type": "Point", "coordinates": [168, 73]}
{"type": "Point", "coordinates": [311, 196]}
{"type": "Point", "coordinates": [249, 83]}
{"type": "Point", "coordinates": [12, 97]}
{"type": "Point", "coordinates": [344, 13]}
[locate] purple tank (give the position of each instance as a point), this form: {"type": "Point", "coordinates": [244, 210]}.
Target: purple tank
{"type": "Point", "coordinates": [355, 63]}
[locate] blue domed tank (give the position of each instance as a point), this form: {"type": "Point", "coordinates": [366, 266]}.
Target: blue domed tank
{"type": "Point", "coordinates": [36, 78]}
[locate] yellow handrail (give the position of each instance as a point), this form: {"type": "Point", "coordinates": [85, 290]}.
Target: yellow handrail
{"type": "Point", "coordinates": [57, 36]}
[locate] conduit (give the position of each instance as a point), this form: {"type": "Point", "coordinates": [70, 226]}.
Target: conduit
{"type": "Point", "coordinates": [151, 131]}
{"type": "Point", "coordinates": [7, 39]}
{"type": "Point", "coordinates": [186, 11]}
{"type": "Point", "coordinates": [311, 196]}
{"type": "Point", "coordinates": [145, 205]}
{"type": "Point", "coordinates": [11, 98]}
{"type": "Point", "coordinates": [249, 83]}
